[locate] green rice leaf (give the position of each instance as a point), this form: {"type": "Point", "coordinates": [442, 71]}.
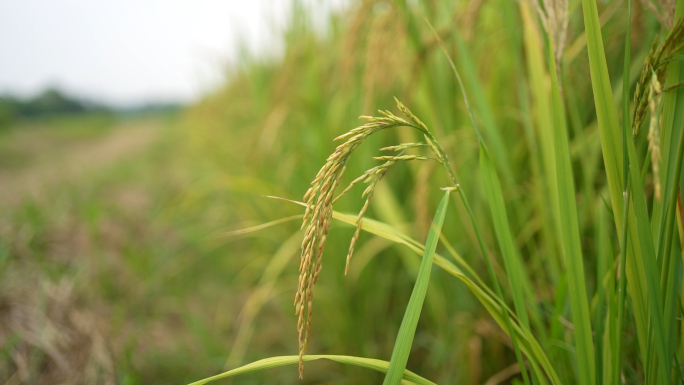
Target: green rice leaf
{"type": "Point", "coordinates": [664, 213]}
{"type": "Point", "coordinates": [528, 343]}
{"type": "Point", "coordinates": [572, 249]}
{"type": "Point", "coordinates": [541, 100]}
{"type": "Point", "coordinates": [274, 362]}
{"type": "Point", "coordinates": [480, 104]}
{"type": "Point", "coordinates": [611, 145]}
{"type": "Point", "coordinates": [672, 118]}
{"type": "Point", "coordinates": [512, 261]}
{"type": "Point", "coordinates": [648, 263]}
{"type": "Point", "coordinates": [603, 98]}
{"type": "Point", "coordinates": [407, 330]}
{"type": "Point", "coordinates": [603, 261]}
{"type": "Point", "coordinates": [617, 311]}
{"type": "Point", "coordinates": [478, 233]}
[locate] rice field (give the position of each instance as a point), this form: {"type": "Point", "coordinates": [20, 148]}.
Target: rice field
{"type": "Point", "coordinates": [521, 220]}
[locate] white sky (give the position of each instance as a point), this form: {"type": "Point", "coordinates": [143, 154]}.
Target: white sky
{"type": "Point", "coordinates": [129, 51]}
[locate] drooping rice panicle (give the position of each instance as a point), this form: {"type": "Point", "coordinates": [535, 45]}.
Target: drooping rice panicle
{"type": "Point", "coordinates": [402, 147]}
{"type": "Point", "coordinates": [664, 11]}
{"type": "Point", "coordinates": [554, 16]}
{"type": "Point", "coordinates": [319, 203]}
{"type": "Point", "coordinates": [655, 65]}
{"type": "Point", "coordinates": [400, 157]}
{"type": "Point", "coordinates": [654, 102]}
{"type": "Point", "coordinates": [372, 177]}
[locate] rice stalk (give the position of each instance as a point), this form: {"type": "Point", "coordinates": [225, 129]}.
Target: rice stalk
{"type": "Point", "coordinates": [319, 203]}
{"type": "Point", "coordinates": [555, 18]}
{"type": "Point", "coordinates": [407, 330]}
{"type": "Point", "coordinates": [495, 191]}
{"type": "Point", "coordinates": [274, 362]}
{"type": "Point", "coordinates": [371, 177]}
{"type": "Point", "coordinates": [663, 10]}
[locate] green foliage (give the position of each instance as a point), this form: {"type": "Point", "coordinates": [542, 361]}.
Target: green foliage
{"type": "Point", "coordinates": [49, 102]}
{"type": "Point", "coordinates": [267, 363]}
{"type": "Point", "coordinates": [407, 331]}
{"type": "Point", "coordinates": [533, 211]}
{"type": "Point", "coordinates": [556, 252]}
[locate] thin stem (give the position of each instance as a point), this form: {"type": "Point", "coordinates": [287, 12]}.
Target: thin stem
{"type": "Point", "coordinates": [671, 212]}
{"type": "Point", "coordinates": [483, 249]}
{"type": "Point", "coordinates": [622, 283]}
{"type": "Point", "coordinates": [490, 268]}
{"type": "Point", "coordinates": [622, 286]}
{"type": "Point", "coordinates": [672, 87]}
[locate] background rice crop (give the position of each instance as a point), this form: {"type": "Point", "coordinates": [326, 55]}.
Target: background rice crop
{"type": "Point", "coordinates": [133, 273]}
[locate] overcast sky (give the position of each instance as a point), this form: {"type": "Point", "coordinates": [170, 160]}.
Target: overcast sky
{"type": "Point", "coordinates": [129, 51]}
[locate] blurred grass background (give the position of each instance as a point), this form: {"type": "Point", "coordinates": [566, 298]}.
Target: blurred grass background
{"type": "Point", "coordinates": [113, 263]}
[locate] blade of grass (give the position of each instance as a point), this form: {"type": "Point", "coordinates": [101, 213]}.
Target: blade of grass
{"type": "Point", "coordinates": [389, 210]}
{"type": "Point", "coordinates": [663, 221]}
{"type": "Point", "coordinates": [664, 214]}
{"type": "Point", "coordinates": [538, 79]}
{"type": "Point", "coordinates": [274, 362]}
{"type": "Point", "coordinates": [670, 205]}
{"type": "Point", "coordinates": [259, 227]}
{"type": "Point", "coordinates": [503, 316]}
{"type": "Point", "coordinates": [603, 261]}
{"type": "Point", "coordinates": [669, 267]}
{"type": "Point", "coordinates": [671, 310]}
{"type": "Point", "coordinates": [649, 264]}
{"type": "Point", "coordinates": [483, 249]}
{"type": "Point", "coordinates": [671, 126]}
{"type": "Point", "coordinates": [609, 335]}
{"type": "Point", "coordinates": [607, 118]}
{"type": "Point", "coordinates": [492, 188]}
{"type": "Point", "coordinates": [493, 304]}
{"type": "Point", "coordinates": [402, 346]}
{"type": "Point", "coordinates": [260, 296]}
{"type": "Point", "coordinates": [570, 235]}
{"type": "Point", "coordinates": [613, 159]}
{"type": "Point", "coordinates": [622, 286]}
{"type": "Point", "coordinates": [545, 181]}
{"type": "Point", "coordinates": [481, 105]}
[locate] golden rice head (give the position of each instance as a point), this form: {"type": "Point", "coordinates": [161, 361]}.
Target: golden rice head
{"type": "Point", "coordinates": [654, 101]}
{"type": "Point", "coordinates": [385, 51]}
{"type": "Point", "coordinates": [320, 198]}
{"type": "Point", "coordinates": [319, 201]}
{"type": "Point", "coordinates": [656, 63]}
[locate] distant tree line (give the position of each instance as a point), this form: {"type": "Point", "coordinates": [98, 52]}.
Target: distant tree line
{"type": "Point", "coordinates": [50, 102]}
{"type": "Point", "coordinates": [53, 102]}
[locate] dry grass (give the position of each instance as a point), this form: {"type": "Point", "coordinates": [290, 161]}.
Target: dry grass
{"type": "Point", "coordinates": [53, 339]}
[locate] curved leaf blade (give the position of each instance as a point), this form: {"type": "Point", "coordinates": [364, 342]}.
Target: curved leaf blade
{"type": "Point", "coordinates": [274, 362]}
{"type": "Point", "coordinates": [407, 330]}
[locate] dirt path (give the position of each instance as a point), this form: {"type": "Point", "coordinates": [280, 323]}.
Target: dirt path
{"type": "Point", "coordinates": [69, 163]}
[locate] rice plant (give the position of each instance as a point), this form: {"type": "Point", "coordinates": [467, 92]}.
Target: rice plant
{"type": "Point", "coordinates": [567, 231]}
